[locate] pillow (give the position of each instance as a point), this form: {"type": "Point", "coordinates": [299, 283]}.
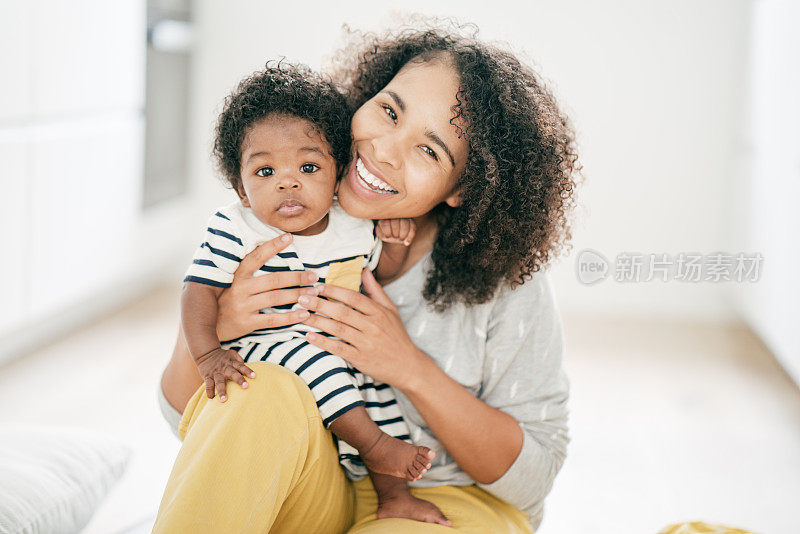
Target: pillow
{"type": "Point", "coordinates": [52, 479]}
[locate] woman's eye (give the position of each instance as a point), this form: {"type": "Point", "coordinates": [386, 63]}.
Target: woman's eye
{"type": "Point", "coordinates": [429, 151]}
{"type": "Point", "coordinates": [390, 112]}
{"type": "Point", "coordinates": [309, 168]}
{"type": "Point", "coordinates": [265, 171]}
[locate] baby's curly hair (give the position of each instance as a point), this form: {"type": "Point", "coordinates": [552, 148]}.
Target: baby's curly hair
{"type": "Point", "coordinates": [282, 89]}
{"type": "Point", "coordinates": [522, 170]}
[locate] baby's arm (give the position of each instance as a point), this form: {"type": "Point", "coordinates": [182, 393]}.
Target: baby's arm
{"type": "Point", "coordinates": [199, 320]}
{"type": "Point", "coordinates": [396, 235]}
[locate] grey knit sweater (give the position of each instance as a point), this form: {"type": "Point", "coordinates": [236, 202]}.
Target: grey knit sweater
{"type": "Point", "coordinates": [507, 353]}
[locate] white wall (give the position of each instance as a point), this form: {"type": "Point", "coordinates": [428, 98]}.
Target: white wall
{"type": "Point", "coordinates": [655, 90]}
{"type": "Point", "coordinates": [770, 218]}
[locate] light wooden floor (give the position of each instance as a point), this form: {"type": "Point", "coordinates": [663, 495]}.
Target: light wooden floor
{"type": "Point", "coordinates": [669, 421]}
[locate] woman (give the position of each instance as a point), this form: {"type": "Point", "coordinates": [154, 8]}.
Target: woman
{"type": "Point", "coordinates": [468, 333]}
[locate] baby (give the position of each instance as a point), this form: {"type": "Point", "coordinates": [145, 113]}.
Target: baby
{"type": "Point", "coordinates": [282, 142]}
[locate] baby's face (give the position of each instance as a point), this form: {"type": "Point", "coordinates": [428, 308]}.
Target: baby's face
{"type": "Point", "coordinates": [288, 174]}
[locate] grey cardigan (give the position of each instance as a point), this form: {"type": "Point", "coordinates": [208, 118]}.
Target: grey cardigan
{"type": "Point", "coordinates": [508, 353]}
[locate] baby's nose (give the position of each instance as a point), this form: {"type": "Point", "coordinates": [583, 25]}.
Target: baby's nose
{"type": "Point", "coordinates": [288, 183]}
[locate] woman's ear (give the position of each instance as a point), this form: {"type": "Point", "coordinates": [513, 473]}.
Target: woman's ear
{"type": "Point", "coordinates": [455, 199]}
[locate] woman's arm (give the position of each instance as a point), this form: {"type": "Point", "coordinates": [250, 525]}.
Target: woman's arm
{"type": "Point", "coordinates": [523, 376]}
{"type": "Point", "coordinates": [484, 440]}
{"type": "Point", "coordinates": [180, 378]}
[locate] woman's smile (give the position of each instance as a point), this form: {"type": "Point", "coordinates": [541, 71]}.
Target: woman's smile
{"type": "Point", "coordinates": [365, 182]}
{"type": "Point", "coordinates": [370, 180]}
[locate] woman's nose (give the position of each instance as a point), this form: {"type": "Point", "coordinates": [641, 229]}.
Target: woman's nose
{"type": "Point", "coordinates": [385, 150]}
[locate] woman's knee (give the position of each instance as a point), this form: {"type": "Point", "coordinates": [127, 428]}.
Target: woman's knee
{"type": "Point", "coordinates": [275, 399]}
{"type": "Point", "coordinates": [274, 382]}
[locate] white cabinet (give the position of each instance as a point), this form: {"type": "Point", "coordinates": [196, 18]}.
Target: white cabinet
{"type": "Point", "coordinates": [88, 56]}
{"type": "Point", "coordinates": [86, 197]}
{"type": "Point", "coordinates": [14, 220]}
{"type": "Point", "coordinates": [71, 154]}
{"type": "Point", "coordinates": [15, 59]}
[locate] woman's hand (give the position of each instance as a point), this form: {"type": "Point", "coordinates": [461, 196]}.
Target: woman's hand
{"type": "Point", "coordinates": [375, 341]}
{"type": "Point", "coordinates": [239, 304]}
{"type": "Point", "coordinates": [371, 334]}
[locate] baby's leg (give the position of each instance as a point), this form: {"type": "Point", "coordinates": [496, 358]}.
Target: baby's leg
{"type": "Point", "coordinates": [381, 452]}
{"type": "Point", "coordinates": [342, 408]}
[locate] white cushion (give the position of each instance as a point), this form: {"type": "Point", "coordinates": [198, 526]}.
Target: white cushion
{"type": "Point", "coordinates": [53, 479]}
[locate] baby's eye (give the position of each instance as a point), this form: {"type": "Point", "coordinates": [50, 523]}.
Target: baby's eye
{"type": "Point", "coordinates": [309, 168]}
{"type": "Point", "coordinates": [265, 171]}
{"type": "Point", "coordinates": [390, 112]}
{"type": "Point", "coordinates": [429, 151]}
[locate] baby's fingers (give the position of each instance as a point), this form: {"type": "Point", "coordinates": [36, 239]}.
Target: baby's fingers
{"type": "Point", "coordinates": [209, 387]}
{"type": "Point", "coordinates": [237, 376]}
{"type": "Point", "coordinates": [390, 239]}
{"type": "Point", "coordinates": [219, 382]}
{"type": "Point", "coordinates": [383, 229]}
{"type": "Point", "coordinates": [410, 231]}
{"type": "Point", "coordinates": [246, 371]}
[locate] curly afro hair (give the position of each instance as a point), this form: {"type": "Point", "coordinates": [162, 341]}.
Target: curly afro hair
{"type": "Point", "coordinates": [282, 89]}
{"type": "Point", "coordinates": [522, 169]}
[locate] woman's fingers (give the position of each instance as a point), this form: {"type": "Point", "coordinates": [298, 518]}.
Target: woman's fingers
{"type": "Point", "coordinates": [354, 299]}
{"type": "Point", "coordinates": [374, 290]}
{"type": "Point", "coordinates": [279, 280]}
{"type": "Point", "coordinates": [335, 328]}
{"type": "Point", "coordinates": [274, 320]}
{"type": "Point", "coordinates": [334, 310]}
{"type": "Point", "coordinates": [279, 297]}
{"type": "Point", "coordinates": [259, 256]}
{"type": "Point", "coordinates": [334, 346]}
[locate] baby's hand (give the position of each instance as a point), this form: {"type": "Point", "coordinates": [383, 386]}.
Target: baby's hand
{"type": "Point", "coordinates": [219, 366]}
{"type": "Point", "coordinates": [396, 231]}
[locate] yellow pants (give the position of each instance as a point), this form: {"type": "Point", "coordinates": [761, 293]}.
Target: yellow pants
{"type": "Point", "coordinates": [263, 462]}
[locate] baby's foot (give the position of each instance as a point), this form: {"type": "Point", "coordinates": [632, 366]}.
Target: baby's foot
{"type": "Point", "coordinates": [405, 505]}
{"type": "Point", "coordinates": [395, 457]}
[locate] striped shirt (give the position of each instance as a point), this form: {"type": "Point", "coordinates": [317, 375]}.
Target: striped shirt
{"type": "Point", "coordinates": [337, 255]}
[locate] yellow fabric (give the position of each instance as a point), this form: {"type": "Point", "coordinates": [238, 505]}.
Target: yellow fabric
{"type": "Point", "coordinates": [346, 274]}
{"type": "Point", "coordinates": [271, 466]}
{"type": "Point", "coordinates": [701, 528]}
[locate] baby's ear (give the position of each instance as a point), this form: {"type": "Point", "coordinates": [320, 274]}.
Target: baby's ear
{"type": "Point", "coordinates": [242, 195]}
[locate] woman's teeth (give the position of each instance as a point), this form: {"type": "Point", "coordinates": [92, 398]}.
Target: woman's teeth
{"type": "Point", "coordinates": [372, 182]}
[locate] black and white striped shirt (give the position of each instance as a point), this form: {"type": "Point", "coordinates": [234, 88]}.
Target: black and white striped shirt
{"type": "Point", "coordinates": [337, 255]}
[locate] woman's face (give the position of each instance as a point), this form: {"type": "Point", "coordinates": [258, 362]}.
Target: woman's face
{"type": "Point", "coordinates": [407, 156]}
